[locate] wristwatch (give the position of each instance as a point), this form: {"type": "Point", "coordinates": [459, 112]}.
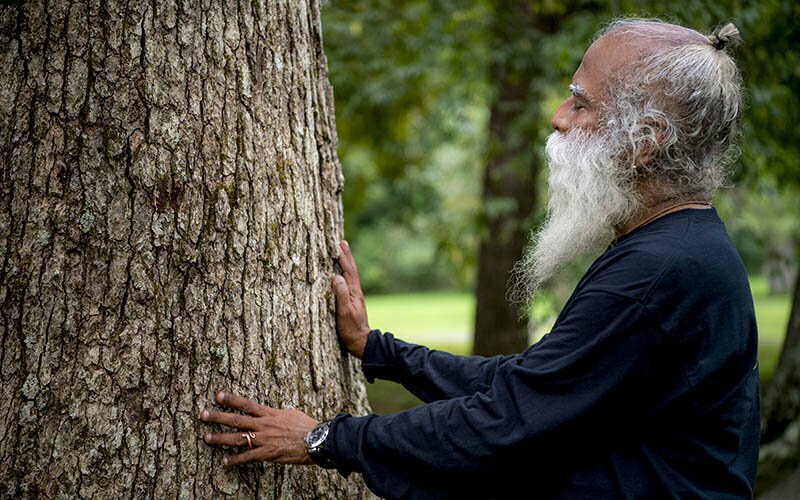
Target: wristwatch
{"type": "Point", "coordinates": [315, 444]}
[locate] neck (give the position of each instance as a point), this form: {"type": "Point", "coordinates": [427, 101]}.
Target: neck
{"type": "Point", "coordinates": [657, 211]}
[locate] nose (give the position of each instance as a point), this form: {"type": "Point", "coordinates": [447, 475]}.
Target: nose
{"type": "Point", "coordinates": [559, 120]}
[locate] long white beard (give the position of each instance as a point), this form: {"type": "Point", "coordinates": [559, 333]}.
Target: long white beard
{"type": "Point", "coordinates": [590, 194]}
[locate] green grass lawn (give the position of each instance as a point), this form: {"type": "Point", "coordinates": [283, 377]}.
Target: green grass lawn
{"type": "Point", "coordinates": [423, 317]}
{"type": "Point", "coordinates": [443, 320]}
{"type": "Point", "coordinates": [772, 314]}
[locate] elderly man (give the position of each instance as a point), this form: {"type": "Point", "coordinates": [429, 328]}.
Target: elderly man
{"type": "Point", "coordinates": [646, 386]}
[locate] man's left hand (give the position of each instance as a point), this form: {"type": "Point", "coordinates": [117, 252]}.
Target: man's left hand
{"type": "Point", "coordinates": [270, 434]}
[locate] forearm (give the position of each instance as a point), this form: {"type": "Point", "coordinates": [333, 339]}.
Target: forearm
{"type": "Point", "coordinates": [451, 445]}
{"type": "Point", "coordinates": [428, 374]}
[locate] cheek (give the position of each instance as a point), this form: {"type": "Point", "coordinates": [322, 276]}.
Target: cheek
{"type": "Point", "coordinates": [587, 120]}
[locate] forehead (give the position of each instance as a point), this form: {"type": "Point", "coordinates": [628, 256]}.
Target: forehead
{"type": "Point", "coordinates": [603, 59]}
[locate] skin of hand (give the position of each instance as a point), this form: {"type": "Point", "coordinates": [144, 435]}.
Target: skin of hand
{"type": "Point", "coordinates": [351, 310]}
{"type": "Point", "coordinates": [279, 434]}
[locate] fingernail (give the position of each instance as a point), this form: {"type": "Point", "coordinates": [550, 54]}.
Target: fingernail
{"type": "Point", "coordinates": [220, 396]}
{"type": "Point", "coordinates": [204, 415]}
{"type": "Point", "coordinates": [346, 244]}
{"type": "Point", "coordinates": [338, 280]}
{"type": "Point", "coordinates": [207, 437]}
{"type": "Point", "coordinates": [225, 460]}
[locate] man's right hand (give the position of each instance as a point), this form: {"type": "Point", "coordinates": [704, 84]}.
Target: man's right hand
{"type": "Point", "coordinates": [351, 310]}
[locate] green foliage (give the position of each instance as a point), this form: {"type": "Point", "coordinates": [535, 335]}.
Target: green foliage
{"type": "Point", "coordinates": [762, 220]}
{"type": "Point", "coordinates": [771, 66]}
{"type": "Point", "coordinates": [413, 88]}
{"type": "Point", "coordinates": [409, 99]}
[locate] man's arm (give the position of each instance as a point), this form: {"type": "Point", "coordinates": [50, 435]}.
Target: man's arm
{"type": "Point", "coordinates": [429, 375]}
{"type": "Point", "coordinates": [597, 377]}
{"type": "Point", "coordinates": [592, 376]}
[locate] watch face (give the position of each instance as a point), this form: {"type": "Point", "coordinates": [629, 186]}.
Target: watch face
{"type": "Point", "coordinates": [317, 435]}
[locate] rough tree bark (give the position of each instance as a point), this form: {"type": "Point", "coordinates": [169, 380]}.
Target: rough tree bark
{"type": "Point", "coordinates": [779, 456]}
{"type": "Point", "coordinates": [168, 226]}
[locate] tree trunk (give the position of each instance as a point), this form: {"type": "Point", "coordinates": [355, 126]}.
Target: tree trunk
{"type": "Point", "coordinates": [509, 182]}
{"type": "Point", "coordinates": [169, 221]}
{"type": "Point", "coordinates": [780, 416]}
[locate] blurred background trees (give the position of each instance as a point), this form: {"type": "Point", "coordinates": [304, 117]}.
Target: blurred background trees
{"type": "Point", "coordinates": [442, 105]}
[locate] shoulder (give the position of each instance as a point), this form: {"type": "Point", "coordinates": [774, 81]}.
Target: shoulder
{"type": "Point", "coordinates": [685, 250]}
{"type": "Point", "coordinates": [690, 283]}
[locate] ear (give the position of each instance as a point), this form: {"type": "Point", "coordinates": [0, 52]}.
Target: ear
{"type": "Point", "coordinates": [649, 140]}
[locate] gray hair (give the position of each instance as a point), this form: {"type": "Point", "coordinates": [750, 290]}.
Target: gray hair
{"type": "Point", "coordinates": [678, 105]}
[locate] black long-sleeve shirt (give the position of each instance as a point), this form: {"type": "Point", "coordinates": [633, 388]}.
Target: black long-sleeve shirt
{"type": "Point", "coordinates": [646, 387]}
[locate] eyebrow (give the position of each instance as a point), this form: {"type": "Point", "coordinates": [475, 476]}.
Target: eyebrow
{"type": "Point", "coordinates": [579, 92]}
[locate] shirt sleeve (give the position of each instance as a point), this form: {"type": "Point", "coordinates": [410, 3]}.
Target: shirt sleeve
{"type": "Point", "coordinates": [588, 377]}
{"type": "Point", "coordinates": [428, 374]}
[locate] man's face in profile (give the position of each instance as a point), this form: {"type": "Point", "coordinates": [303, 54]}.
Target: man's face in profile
{"type": "Point", "coordinates": [591, 190]}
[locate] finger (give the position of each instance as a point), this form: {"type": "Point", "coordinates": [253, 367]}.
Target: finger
{"type": "Point", "coordinates": [349, 270]}
{"type": "Point", "coordinates": [244, 457]}
{"type": "Point", "coordinates": [341, 292]}
{"type": "Point", "coordinates": [242, 404]}
{"type": "Point", "coordinates": [230, 419]}
{"type": "Point", "coordinates": [230, 439]}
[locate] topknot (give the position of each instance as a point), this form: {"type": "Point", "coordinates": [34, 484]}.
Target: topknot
{"type": "Point", "coordinates": [725, 37]}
